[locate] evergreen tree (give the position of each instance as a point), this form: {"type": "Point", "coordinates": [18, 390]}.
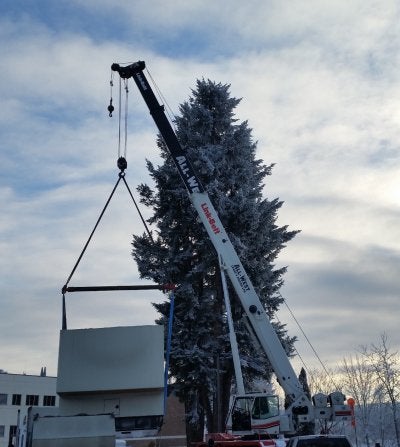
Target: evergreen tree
{"type": "Point", "coordinates": [223, 154]}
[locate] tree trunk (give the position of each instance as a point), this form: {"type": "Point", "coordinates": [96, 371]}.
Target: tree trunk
{"type": "Point", "coordinates": [226, 388]}
{"type": "Point", "coordinates": [194, 418]}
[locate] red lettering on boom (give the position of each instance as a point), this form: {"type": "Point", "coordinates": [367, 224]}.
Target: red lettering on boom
{"type": "Point", "coordinates": [210, 219]}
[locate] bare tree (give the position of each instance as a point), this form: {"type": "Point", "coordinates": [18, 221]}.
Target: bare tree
{"type": "Point", "coordinates": [382, 415]}
{"type": "Point", "coordinates": [360, 382]}
{"type": "Point", "coordinates": [386, 366]}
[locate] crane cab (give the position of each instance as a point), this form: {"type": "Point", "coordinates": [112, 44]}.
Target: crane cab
{"type": "Point", "coordinates": [254, 413]}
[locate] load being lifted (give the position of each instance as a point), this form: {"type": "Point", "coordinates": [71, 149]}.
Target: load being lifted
{"type": "Point", "coordinates": [254, 413]}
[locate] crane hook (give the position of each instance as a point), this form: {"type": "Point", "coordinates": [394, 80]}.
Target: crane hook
{"type": "Point", "coordinates": [110, 108]}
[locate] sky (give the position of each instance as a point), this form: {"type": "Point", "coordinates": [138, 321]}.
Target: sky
{"type": "Point", "coordinates": [319, 82]}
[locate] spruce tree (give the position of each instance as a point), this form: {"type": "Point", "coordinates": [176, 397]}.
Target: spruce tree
{"type": "Point", "coordinates": [223, 154]}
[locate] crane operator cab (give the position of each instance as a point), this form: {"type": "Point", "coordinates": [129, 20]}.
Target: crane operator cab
{"type": "Point", "coordinates": [254, 413]}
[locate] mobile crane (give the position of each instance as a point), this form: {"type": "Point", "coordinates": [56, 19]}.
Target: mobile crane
{"type": "Point", "coordinates": [255, 412]}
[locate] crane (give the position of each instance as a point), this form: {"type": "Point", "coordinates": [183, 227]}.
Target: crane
{"type": "Point", "coordinates": [254, 412]}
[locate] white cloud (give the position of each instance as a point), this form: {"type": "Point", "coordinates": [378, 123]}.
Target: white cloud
{"type": "Point", "coordinates": [319, 88]}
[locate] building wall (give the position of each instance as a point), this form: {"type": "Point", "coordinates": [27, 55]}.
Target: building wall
{"type": "Point", "coordinates": [17, 393]}
{"type": "Point", "coordinates": [173, 430]}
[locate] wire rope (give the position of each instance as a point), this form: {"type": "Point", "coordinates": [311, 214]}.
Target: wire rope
{"type": "Point", "coordinates": [309, 343]}
{"type": "Point", "coordinates": [119, 118]}
{"type": "Point", "coordinates": [138, 210]}
{"type": "Point", "coordinates": [168, 110]}
{"type": "Point", "coordinates": [126, 116]}
{"type": "Point", "coordinates": [91, 235]}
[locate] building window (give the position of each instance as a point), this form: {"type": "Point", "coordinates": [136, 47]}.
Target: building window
{"type": "Point", "coordinates": [138, 423]}
{"type": "Point", "coordinates": [32, 399]}
{"type": "Point", "coordinates": [2, 430]}
{"type": "Point", "coordinates": [16, 399]}
{"type": "Point", "coordinates": [49, 401]}
{"type": "Point", "coordinates": [3, 399]}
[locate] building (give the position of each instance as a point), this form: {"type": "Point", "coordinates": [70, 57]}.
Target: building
{"type": "Point", "coordinates": [110, 386]}
{"type": "Point", "coordinates": [18, 392]}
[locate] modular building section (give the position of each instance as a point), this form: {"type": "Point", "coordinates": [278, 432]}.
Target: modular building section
{"type": "Point", "coordinates": [117, 358]}
{"type": "Point", "coordinates": [117, 370]}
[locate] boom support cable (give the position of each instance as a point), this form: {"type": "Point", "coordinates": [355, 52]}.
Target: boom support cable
{"type": "Point", "coordinates": [167, 109]}
{"type": "Point", "coordinates": [309, 343]}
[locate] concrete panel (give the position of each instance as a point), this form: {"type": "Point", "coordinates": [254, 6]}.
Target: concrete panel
{"type": "Point", "coordinates": [111, 359]}
{"type": "Point", "coordinates": [77, 431]}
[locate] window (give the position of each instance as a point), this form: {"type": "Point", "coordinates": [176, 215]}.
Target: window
{"type": "Point", "coordinates": [32, 399]}
{"type": "Point", "coordinates": [265, 407]}
{"type": "Point", "coordinates": [16, 399]}
{"type": "Point", "coordinates": [3, 399]}
{"type": "Point", "coordinates": [241, 415]}
{"type": "Point", "coordinates": [2, 430]}
{"type": "Point", "coordinates": [49, 401]}
{"type": "Point", "coordinates": [138, 423]}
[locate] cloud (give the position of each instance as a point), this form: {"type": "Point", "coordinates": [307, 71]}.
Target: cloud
{"type": "Point", "coordinates": [343, 295]}
{"type": "Point", "coordinates": [319, 88]}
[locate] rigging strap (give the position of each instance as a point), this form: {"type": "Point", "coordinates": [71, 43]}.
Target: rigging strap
{"type": "Point", "coordinates": [122, 165]}
{"type": "Point", "coordinates": [90, 237]}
